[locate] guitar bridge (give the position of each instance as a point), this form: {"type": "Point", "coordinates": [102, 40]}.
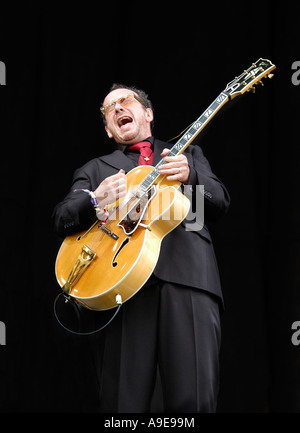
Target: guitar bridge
{"type": "Point", "coordinates": [84, 260]}
{"type": "Point", "coordinates": [108, 232]}
{"type": "Point", "coordinates": [134, 217]}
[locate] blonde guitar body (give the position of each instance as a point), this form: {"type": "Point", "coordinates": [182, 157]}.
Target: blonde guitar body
{"type": "Point", "coordinates": [125, 252]}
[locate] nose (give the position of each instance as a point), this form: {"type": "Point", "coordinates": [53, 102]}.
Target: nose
{"type": "Point", "coordinates": [118, 107]}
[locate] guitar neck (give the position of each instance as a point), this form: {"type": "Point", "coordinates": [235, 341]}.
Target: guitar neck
{"type": "Point", "coordinates": [198, 125]}
{"type": "Point", "coordinates": [244, 83]}
{"type": "Point", "coordinates": [188, 137]}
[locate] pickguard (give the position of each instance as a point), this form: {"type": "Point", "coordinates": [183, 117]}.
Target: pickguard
{"type": "Point", "coordinates": [133, 218]}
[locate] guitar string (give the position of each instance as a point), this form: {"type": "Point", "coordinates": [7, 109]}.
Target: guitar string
{"type": "Point", "coordinates": [187, 143]}
{"type": "Point", "coordinates": [110, 220]}
{"type": "Point", "coordinates": [150, 175]}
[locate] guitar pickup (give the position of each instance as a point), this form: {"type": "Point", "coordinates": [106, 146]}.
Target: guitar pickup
{"type": "Point", "coordinates": [108, 232]}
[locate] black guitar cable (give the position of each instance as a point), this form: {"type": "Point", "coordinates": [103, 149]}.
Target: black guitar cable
{"type": "Point", "coordinates": [69, 299]}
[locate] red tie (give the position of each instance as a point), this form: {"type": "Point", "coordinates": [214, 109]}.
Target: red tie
{"type": "Point", "coordinates": [146, 153]}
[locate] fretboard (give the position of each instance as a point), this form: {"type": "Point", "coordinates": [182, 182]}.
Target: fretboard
{"type": "Point", "coordinates": [187, 138]}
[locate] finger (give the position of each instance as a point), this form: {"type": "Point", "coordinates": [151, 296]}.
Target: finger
{"type": "Point", "coordinates": [174, 158]}
{"type": "Point", "coordinates": [173, 177]}
{"type": "Point", "coordinates": [165, 152]}
{"type": "Point", "coordinates": [169, 167]}
{"type": "Point", "coordinates": [119, 184]}
{"type": "Point", "coordinates": [119, 175]}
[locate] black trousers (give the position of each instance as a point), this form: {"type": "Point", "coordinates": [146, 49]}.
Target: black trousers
{"type": "Point", "coordinates": [173, 327]}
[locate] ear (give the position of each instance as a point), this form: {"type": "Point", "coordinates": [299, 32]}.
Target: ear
{"type": "Point", "coordinates": [149, 115]}
{"type": "Point", "coordinates": [108, 132]}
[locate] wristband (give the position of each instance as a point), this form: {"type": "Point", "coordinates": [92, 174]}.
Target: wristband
{"type": "Point", "coordinates": [100, 212]}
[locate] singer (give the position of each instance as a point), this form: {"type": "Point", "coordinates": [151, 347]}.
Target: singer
{"type": "Point", "coordinates": [172, 325]}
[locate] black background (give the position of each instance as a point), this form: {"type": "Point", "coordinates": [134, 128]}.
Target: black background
{"type": "Point", "coordinates": [60, 61]}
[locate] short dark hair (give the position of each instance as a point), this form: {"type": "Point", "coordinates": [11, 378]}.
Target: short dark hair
{"type": "Point", "coordinates": [141, 94]}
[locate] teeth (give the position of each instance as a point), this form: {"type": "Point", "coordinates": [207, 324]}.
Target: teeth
{"type": "Point", "coordinates": [124, 120]}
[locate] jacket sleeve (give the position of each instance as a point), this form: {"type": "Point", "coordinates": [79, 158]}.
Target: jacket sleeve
{"type": "Point", "coordinates": [75, 213]}
{"type": "Point", "coordinates": [216, 196]}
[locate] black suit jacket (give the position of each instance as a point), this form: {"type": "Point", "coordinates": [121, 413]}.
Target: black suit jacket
{"type": "Point", "coordinates": [186, 257]}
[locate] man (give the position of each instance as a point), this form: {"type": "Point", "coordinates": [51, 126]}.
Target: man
{"type": "Point", "coordinates": [173, 322]}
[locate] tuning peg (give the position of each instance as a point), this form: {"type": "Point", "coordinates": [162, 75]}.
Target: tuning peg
{"type": "Point", "coordinates": [270, 75]}
{"type": "Point", "coordinates": [260, 82]}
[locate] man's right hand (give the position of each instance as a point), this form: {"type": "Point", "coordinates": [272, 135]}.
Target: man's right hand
{"type": "Point", "coordinates": [111, 189]}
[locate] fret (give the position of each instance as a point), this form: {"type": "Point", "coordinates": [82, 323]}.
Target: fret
{"type": "Point", "coordinates": [152, 176]}
{"type": "Point", "coordinates": [186, 139]}
{"type": "Point", "coordinates": [199, 124]}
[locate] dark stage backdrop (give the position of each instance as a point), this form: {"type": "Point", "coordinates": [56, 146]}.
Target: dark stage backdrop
{"type": "Point", "coordinates": [60, 62]}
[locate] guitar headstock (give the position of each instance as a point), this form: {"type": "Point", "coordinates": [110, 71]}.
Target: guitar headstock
{"type": "Point", "coordinates": [247, 80]}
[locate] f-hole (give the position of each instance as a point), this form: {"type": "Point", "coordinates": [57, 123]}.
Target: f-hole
{"type": "Point", "coordinates": [84, 234]}
{"type": "Point", "coordinates": [125, 242]}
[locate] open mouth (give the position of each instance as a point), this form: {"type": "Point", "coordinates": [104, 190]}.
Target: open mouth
{"type": "Point", "coordinates": [124, 120]}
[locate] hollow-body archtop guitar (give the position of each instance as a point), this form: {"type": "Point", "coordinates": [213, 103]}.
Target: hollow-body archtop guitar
{"type": "Point", "coordinates": [110, 262]}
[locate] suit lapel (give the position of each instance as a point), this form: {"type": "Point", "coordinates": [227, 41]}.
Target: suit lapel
{"type": "Point", "coordinates": [118, 160]}
{"type": "Point", "coordinates": [158, 148]}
